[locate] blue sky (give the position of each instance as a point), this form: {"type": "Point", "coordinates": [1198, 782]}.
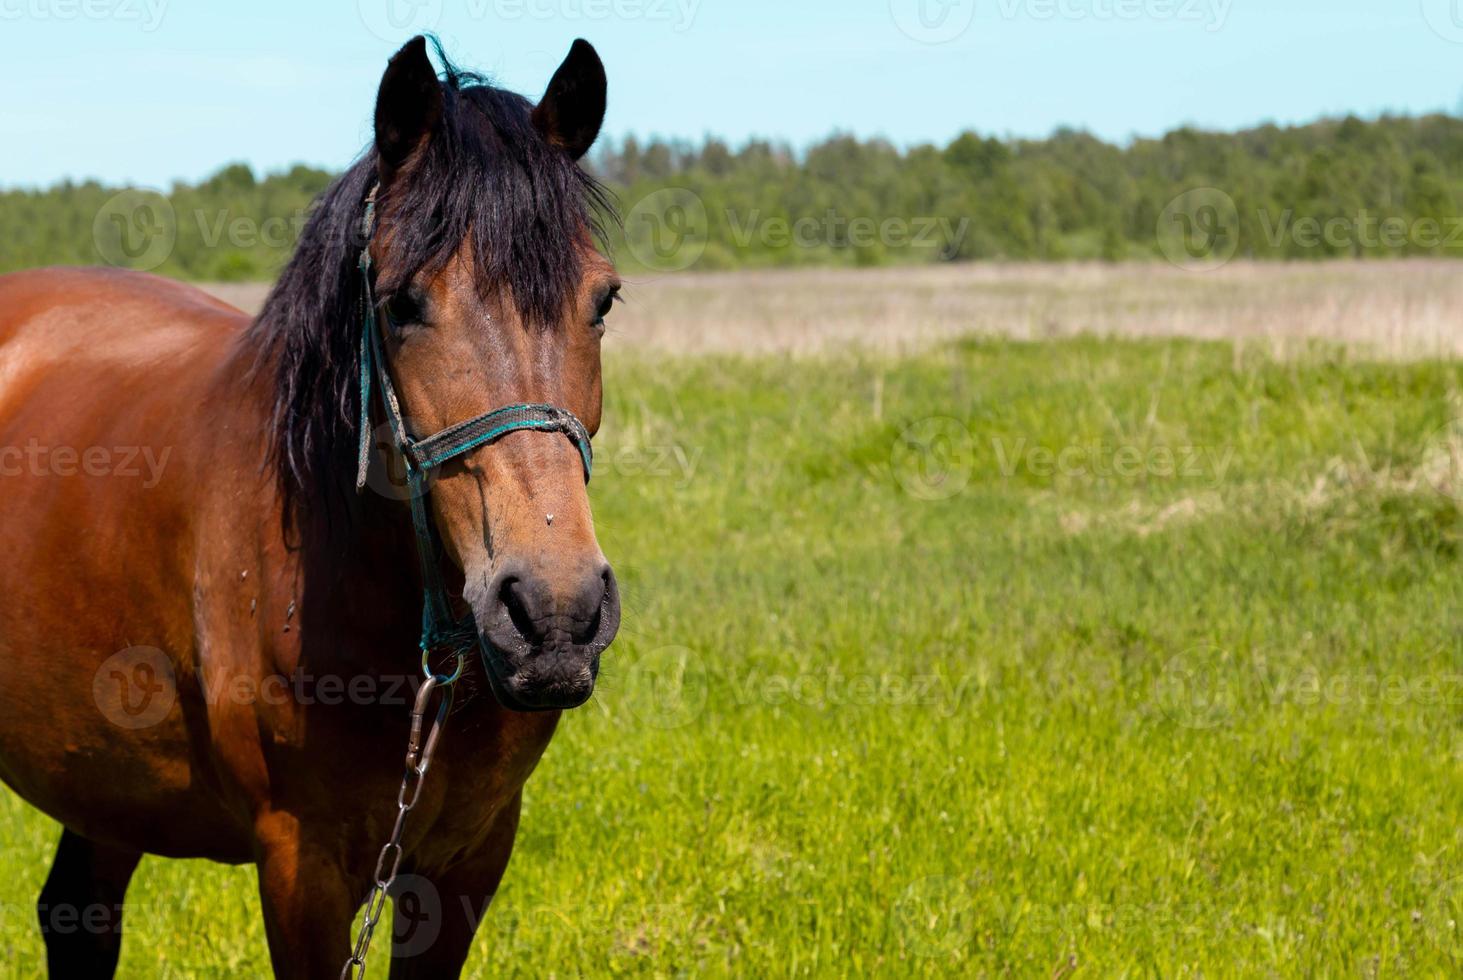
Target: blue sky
{"type": "Point", "coordinates": [148, 91]}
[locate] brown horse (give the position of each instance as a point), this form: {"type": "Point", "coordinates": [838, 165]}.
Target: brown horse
{"type": "Point", "coordinates": [208, 638]}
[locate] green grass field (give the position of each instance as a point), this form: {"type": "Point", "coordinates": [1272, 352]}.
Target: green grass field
{"type": "Point", "coordinates": [1098, 658]}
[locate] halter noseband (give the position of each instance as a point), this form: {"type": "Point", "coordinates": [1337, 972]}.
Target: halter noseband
{"type": "Point", "coordinates": [440, 630]}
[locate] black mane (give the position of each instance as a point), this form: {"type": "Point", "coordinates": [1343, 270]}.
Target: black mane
{"type": "Point", "coordinates": [487, 173]}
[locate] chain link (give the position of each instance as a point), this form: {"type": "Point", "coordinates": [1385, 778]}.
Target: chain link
{"type": "Point", "coordinates": [418, 758]}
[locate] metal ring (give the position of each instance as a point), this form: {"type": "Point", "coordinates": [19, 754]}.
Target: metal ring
{"type": "Point", "coordinates": [442, 679]}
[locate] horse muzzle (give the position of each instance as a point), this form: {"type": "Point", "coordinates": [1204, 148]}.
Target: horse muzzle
{"type": "Point", "coordinates": [542, 636]}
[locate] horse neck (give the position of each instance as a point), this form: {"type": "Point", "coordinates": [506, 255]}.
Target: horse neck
{"type": "Point", "coordinates": [349, 560]}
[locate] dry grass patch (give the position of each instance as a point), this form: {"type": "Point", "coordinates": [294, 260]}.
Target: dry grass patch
{"type": "Point", "coordinates": [1395, 308]}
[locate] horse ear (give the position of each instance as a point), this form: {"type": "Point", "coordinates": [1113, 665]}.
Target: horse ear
{"type": "Point", "coordinates": [408, 107]}
{"type": "Point", "coordinates": [573, 108]}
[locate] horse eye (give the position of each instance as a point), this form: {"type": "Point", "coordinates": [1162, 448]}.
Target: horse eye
{"type": "Point", "coordinates": [402, 310]}
{"type": "Point", "coordinates": [604, 307]}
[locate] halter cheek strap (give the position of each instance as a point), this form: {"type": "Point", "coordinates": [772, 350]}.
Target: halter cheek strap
{"type": "Point", "coordinates": [440, 630]}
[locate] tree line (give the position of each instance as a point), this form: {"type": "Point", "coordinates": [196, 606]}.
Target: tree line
{"type": "Point", "coordinates": [1333, 188]}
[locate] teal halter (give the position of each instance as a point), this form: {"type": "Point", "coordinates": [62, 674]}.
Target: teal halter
{"type": "Point", "coordinates": [441, 631]}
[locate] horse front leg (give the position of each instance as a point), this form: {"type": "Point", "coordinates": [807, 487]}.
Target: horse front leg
{"type": "Point", "coordinates": [80, 907]}
{"type": "Point", "coordinates": [435, 918]}
{"type": "Point", "coordinates": [309, 901]}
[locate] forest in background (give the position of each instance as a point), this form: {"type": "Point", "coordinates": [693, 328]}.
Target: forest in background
{"type": "Point", "coordinates": [1334, 188]}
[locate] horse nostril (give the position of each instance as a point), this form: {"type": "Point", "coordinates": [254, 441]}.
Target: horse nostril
{"type": "Point", "coordinates": [589, 604]}
{"type": "Point", "coordinates": [515, 600]}
{"type": "Point", "coordinates": [531, 608]}
{"type": "Point", "coordinates": [607, 606]}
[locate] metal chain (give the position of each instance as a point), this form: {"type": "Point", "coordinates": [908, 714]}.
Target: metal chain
{"type": "Point", "coordinates": [418, 758]}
